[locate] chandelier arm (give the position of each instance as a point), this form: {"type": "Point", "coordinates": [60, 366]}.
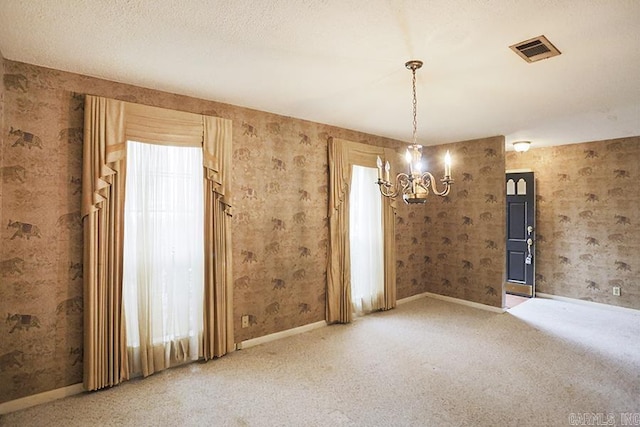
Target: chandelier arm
{"type": "Point", "coordinates": [403, 181]}
{"type": "Point", "coordinates": [385, 190]}
{"type": "Point", "coordinates": [428, 180]}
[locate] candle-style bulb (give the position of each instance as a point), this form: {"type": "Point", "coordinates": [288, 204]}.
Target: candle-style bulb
{"type": "Point", "coordinates": [387, 168]}
{"type": "Point", "coordinates": [447, 164]}
{"type": "Point", "coordinates": [379, 164]}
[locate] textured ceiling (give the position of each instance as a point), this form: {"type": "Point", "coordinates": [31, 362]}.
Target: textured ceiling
{"type": "Point", "coordinates": [341, 62]}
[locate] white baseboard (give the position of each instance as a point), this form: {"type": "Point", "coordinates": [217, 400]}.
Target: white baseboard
{"type": "Point", "coordinates": [411, 298]}
{"type": "Point", "coordinates": [37, 399]}
{"type": "Point", "coordinates": [453, 300]}
{"type": "Point", "coordinates": [589, 303]}
{"type": "Point", "coordinates": [278, 335]}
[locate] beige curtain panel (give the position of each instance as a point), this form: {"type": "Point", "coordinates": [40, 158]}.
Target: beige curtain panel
{"type": "Point", "coordinates": [342, 156]}
{"type": "Point", "coordinates": [218, 291]}
{"type": "Point", "coordinates": [105, 355]}
{"type": "Point", "coordinates": [108, 125]}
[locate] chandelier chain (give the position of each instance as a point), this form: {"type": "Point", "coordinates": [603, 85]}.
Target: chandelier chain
{"type": "Point", "coordinates": [415, 108]}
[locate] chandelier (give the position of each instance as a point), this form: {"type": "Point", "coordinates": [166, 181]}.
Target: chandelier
{"type": "Point", "coordinates": [413, 186]}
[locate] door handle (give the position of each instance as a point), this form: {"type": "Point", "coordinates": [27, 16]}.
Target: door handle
{"type": "Point", "coordinates": [527, 260]}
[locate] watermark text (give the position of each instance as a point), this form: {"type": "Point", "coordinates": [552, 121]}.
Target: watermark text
{"type": "Point", "coordinates": [604, 418]}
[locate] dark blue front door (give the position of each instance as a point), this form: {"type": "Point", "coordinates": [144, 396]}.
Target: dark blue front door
{"type": "Point", "coordinates": [520, 233]}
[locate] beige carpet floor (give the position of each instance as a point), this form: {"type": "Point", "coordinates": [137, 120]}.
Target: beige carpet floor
{"type": "Point", "coordinates": [426, 363]}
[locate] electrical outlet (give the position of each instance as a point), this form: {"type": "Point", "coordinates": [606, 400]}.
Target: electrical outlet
{"type": "Point", "coordinates": [616, 291]}
{"type": "Point", "coordinates": [245, 321]}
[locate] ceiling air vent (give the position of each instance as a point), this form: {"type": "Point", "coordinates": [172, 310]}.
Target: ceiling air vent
{"type": "Point", "coordinates": [535, 49]}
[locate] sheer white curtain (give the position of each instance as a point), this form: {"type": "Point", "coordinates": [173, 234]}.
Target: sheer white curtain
{"type": "Point", "coordinates": [366, 239]}
{"type": "Point", "coordinates": [163, 279]}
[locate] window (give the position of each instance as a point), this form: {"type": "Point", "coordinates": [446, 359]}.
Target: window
{"type": "Point", "coordinates": [366, 241]}
{"type": "Point", "coordinates": [163, 277]}
{"type": "Point", "coordinates": [107, 357]}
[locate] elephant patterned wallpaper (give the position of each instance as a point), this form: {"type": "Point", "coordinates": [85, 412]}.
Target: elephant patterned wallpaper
{"type": "Point", "coordinates": [1, 125]}
{"type": "Point", "coordinates": [588, 219]}
{"type": "Point", "coordinates": [455, 245]}
{"type": "Point", "coordinates": [41, 235]}
{"type": "Point", "coordinates": [279, 229]}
